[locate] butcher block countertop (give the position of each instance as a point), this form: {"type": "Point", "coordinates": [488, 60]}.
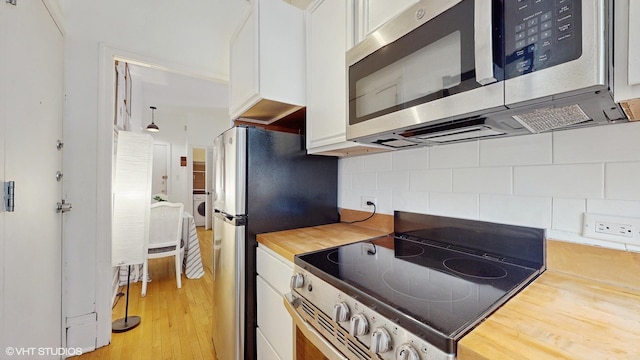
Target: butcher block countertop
{"type": "Point", "coordinates": [289, 243]}
{"type": "Point", "coordinates": [586, 305]}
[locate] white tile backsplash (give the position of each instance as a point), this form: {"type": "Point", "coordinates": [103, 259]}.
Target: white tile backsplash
{"type": "Point", "coordinates": [430, 180]}
{"type": "Point", "coordinates": [378, 162]}
{"type": "Point", "coordinates": [614, 207]}
{"type": "Point", "coordinates": [411, 159]}
{"type": "Point", "coordinates": [454, 155]}
{"type": "Point", "coordinates": [484, 180]}
{"type": "Point", "coordinates": [518, 150]}
{"type": "Point", "coordinates": [574, 181]}
{"type": "Point", "coordinates": [516, 210]}
{"type": "Point", "coordinates": [612, 143]}
{"type": "Point", "coordinates": [567, 214]}
{"type": "Point", "coordinates": [622, 180]}
{"type": "Point", "coordinates": [413, 201]}
{"type": "Point", "coordinates": [545, 180]}
{"type": "Point", "coordinates": [393, 180]}
{"type": "Point", "coordinates": [455, 205]}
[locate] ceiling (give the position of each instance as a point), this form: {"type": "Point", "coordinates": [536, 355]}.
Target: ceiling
{"type": "Point", "coordinates": [165, 89]}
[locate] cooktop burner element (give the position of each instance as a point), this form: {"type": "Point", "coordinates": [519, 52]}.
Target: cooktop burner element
{"type": "Point", "coordinates": [475, 268]}
{"type": "Point", "coordinates": [437, 277]}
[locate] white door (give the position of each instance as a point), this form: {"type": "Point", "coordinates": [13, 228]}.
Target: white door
{"type": "Point", "coordinates": [160, 169]}
{"type": "Point", "coordinates": [208, 180]}
{"type": "Point", "coordinates": [31, 100]}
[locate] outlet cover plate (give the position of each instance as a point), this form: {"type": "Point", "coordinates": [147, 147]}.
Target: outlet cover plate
{"type": "Point", "coordinates": [612, 228]}
{"type": "Point", "coordinates": [364, 199]}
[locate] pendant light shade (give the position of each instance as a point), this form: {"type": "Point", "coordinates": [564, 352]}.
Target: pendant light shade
{"type": "Point", "coordinates": [152, 127]}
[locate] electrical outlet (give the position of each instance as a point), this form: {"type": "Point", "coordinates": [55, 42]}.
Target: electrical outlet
{"type": "Point", "coordinates": [612, 228]}
{"type": "Point", "coordinates": [364, 199]}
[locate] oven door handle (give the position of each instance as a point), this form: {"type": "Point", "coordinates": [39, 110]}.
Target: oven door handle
{"type": "Point", "coordinates": [290, 302]}
{"type": "Point", "coordinates": [483, 42]}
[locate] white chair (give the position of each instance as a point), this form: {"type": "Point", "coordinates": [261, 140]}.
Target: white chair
{"type": "Point", "coordinates": [165, 238]}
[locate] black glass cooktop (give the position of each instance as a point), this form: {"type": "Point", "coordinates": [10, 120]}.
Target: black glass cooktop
{"type": "Point", "coordinates": [436, 288]}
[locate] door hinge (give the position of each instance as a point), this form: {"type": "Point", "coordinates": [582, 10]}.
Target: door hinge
{"type": "Point", "coordinates": [12, 2]}
{"type": "Point", "coordinates": [63, 207]}
{"type": "Point", "coordinates": [9, 189]}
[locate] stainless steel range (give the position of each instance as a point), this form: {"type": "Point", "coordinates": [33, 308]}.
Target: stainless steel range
{"type": "Point", "coordinates": [413, 294]}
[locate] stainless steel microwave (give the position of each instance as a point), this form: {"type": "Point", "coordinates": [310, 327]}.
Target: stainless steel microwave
{"type": "Point", "coordinates": [456, 70]}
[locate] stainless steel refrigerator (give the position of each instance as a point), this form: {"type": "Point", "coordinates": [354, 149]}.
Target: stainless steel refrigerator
{"type": "Point", "coordinates": [264, 181]}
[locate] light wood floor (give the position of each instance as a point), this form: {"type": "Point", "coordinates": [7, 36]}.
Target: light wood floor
{"type": "Point", "coordinates": [176, 323]}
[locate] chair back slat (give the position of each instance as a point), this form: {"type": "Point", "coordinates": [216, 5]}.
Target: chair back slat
{"type": "Point", "coordinates": [165, 225]}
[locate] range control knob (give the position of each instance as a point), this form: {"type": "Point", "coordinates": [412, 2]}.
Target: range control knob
{"type": "Point", "coordinates": [380, 341]}
{"type": "Point", "coordinates": [340, 312]}
{"type": "Point", "coordinates": [358, 325]}
{"type": "Point", "coordinates": [297, 281]}
{"type": "Point", "coordinates": [407, 352]}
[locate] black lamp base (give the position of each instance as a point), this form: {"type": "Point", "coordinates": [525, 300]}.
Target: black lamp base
{"type": "Point", "coordinates": [125, 324]}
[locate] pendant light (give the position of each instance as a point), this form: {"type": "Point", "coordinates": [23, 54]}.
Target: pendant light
{"type": "Point", "coordinates": [152, 127]}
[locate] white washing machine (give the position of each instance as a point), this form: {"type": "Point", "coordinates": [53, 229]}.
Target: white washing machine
{"type": "Point", "coordinates": [199, 208]}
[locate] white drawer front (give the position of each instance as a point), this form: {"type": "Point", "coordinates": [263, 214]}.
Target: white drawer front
{"type": "Point", "coordinates": [265, 351]}
{"type": "Point", "coordinates": [273, 320]}
{"type": "Point", "coordinates": [275, 269]}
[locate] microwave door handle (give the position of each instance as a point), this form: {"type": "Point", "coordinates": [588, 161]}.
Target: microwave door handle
{"type": "Point", "coordinates": [483, 40]}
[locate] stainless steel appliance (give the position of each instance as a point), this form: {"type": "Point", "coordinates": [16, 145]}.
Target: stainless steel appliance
{"type": "Point", "coordinates": [456, 70]}
{"type": "Point", "coordinates": [413, 294]}
{"type": "Point", "coordinates": [263, 182]}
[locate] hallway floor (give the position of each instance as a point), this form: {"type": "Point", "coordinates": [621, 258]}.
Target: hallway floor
{"type": "Point", "coordinates": [175, 323]}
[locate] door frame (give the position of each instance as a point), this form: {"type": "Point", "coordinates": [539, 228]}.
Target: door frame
{"type": "Point", "coordinates": [106, 113]}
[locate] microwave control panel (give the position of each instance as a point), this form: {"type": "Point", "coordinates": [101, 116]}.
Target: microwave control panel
{"type": "Point", "coordinates": [541, 33]}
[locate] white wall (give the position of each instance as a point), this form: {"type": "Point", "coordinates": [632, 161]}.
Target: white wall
{"type": "Point", "coordinates": [175, 35]}
{"type": "Point", "coordinates": [181, 128]}
{"type": "Point", "coordinates": [545, 180]}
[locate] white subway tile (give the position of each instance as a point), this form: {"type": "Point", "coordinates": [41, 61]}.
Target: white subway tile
{"type": "Point", "coordinates": [351, 165]}
{"type": "Point", "coordinates": [567, 181]}
{"type": "Point", "coordinates": [364, 181]}
{"type": "Point", "coordinates": [430, 180]}
{"type": "Point", "coordinates": [516, 210]}
{"type": "Point", "coordinates": [454, 204]}
{"type": "Point", "coordinates": [487, 180]}
{"type": "Point", "coordinates": [454, 155]}
{"type": "Point", "coordinates": [578, 239]}
{"type": "Point", "coordinates": [410, 159]}
{"type": "Point", "coordinates": [614, 207]}
{"type": "Point", "coordinates": [567, 214]}
{"type": "Point", "coordinates": [622, 181]}
{"type": "Point", "coordinates": [597, 144]}
{"type": "Point", "coordinates": [517, 150]}
{"type": "Point", "coordinates": [393, 180]}
{"type": "Point", "coordinates": [377, 162]}
{"type": "Point", "coordinates": [414, 201]}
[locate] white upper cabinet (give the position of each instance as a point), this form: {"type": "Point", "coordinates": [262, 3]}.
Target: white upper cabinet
{"type": "Point", "coordinates": [329, 34]}
{"type": "Point", "coordinates": [627, 56]}
{"type": "Point", "coordinates": [373, 13]}
{"type": "Point", "coordinates": [267, 64]}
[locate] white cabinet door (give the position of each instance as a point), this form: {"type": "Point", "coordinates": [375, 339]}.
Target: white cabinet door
{"type": "Point", "coordinates": [264, 349]}
{"type": "Point", "coordinates": [627, 56]}
{"type": "Point", "coordinates": [31, 100]}
{"type": "Point", "coordinates": [274, 322]}
{"type": "Point", "coordinates": [373, 13]}
{"type": "Point", "coordinates": [329, 33]}
{"type": "Point", "coordinates": [244, 64]}
{"type": "Point", "coordinates": [267, 62]}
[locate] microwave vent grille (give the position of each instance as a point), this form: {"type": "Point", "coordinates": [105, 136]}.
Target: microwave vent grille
{"type": "Point", "coordinates": [547, 119]}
